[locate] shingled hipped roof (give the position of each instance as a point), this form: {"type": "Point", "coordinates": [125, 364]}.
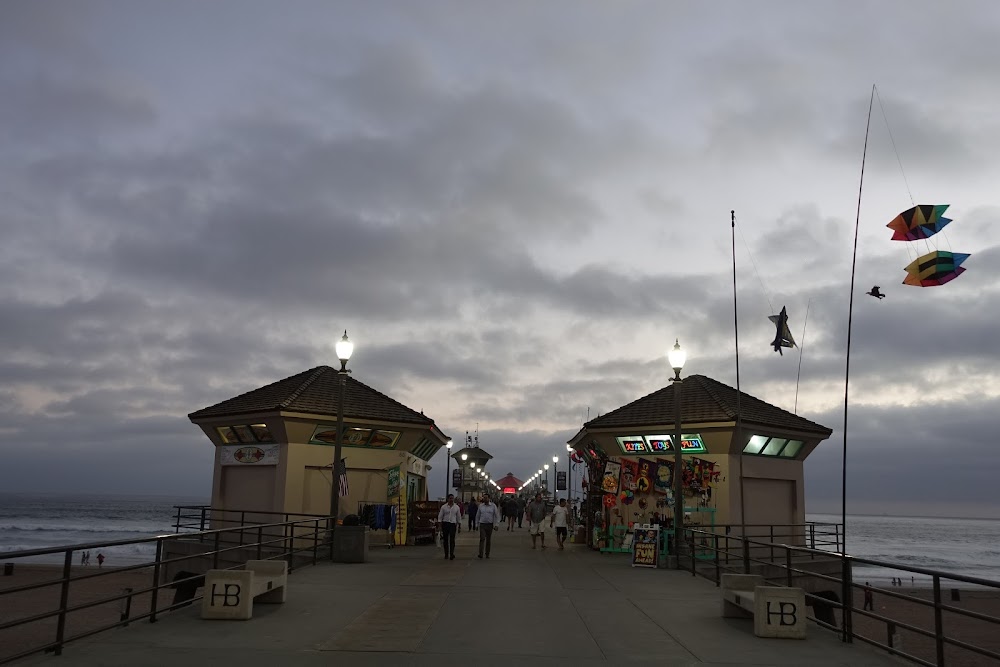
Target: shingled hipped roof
{"type": "Point", "coordinates": [703, 400]}
{"type": "Point", "coordinates": [316, 391]}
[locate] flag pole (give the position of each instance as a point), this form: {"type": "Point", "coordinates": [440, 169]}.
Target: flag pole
{"type": "Point", "coordinates": [847, 633]}
{"type": "Point", "coordinates": [738, 435]}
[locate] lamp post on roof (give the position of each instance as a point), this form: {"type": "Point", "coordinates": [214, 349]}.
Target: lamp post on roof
{"type": "Point", "coordinates": [677, 357]}
{"type": "Point", "coordinates": [447, 472]}
{"type": "Point", "coordinates": [344, 349]}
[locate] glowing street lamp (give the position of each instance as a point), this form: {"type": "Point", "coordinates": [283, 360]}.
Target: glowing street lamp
{"type": "Point", "coordinates": [344, 349]}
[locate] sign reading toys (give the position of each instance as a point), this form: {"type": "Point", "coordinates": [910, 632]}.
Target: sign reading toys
{"type": "Point", "coordinates": [645, 545]}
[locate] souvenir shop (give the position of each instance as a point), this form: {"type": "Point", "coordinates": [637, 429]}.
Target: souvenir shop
{"type": "Point", "coordinates": [629, 458]}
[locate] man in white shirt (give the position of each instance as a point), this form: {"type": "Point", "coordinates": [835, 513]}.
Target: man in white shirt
{"type": "Point", "coordinates": [560, 519]}
{"type": "Point", "coordinates": [449, 518]}
{"type": "Point", "coordinates": [488, 522]}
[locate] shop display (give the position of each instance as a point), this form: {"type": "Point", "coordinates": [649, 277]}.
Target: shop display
{"type": "Point", "coordinates": [423, 520]}
{"type": "Point", "coordinates": [609, 483]}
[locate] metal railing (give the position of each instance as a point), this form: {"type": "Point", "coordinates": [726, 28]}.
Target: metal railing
{"type": "Point", "coordinates": [709, 554]}
{"type": "Point", "coordinates": [299, 542]}
{"type": "Point", "coordinates": [199, 518]}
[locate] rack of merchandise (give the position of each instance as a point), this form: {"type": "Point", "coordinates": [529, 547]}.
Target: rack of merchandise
{"type": "Point", "coordinates": [423, 516]}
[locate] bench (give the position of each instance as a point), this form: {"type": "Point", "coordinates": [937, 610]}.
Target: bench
{"type": "Point", "coordinates": [777, 611]}
{"type": "Point", "coordinates": [229, 594]}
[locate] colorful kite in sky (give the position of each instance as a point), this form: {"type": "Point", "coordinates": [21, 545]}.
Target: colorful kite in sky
{"type": "Point", "coordinates": [935, 268]}
{"type": "Point", "coordinates": [782, 336]}
{"type": "Point", "coordinates": [919, 222]}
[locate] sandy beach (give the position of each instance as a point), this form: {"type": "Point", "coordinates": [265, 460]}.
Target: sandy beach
{"type": "Point", "coordinates": [974, 631]}
{"type": "Point", "coordinates": [30, 603]}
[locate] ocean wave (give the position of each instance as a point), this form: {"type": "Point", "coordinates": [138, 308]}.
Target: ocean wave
{"type": "Point", "coordinates": [147, 529]}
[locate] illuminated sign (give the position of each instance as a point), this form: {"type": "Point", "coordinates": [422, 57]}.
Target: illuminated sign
{"type": "Point", "coordinates": [632, 444]}
{"type": "Point", "coordinates": [691, 443]}
{"type": "Point", "coordinates": [509, 489]}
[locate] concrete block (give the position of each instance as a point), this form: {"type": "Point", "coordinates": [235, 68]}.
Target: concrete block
{"type": "Point", "coordinates": [350, 544]}
{"type": "Point", "coordinates": [228, 595]}
{"type": "Point", "coordinates": [779, 611]}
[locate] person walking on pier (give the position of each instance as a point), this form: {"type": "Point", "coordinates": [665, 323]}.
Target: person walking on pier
{"type": "Point", "coordinates": [560, 519]}
{"type": "Point", "coordinates": [536, 514]}
{"type": "Point", "coordinates": [449, 518]}
{"type": "Point", "coordinates": [510, 512]}
{"type": "Point", "coordinates": [520, 510]}
{"type": "Point", "coordinates": [489, 518]}
{"type": "Point", "coordinates": [472, 511]}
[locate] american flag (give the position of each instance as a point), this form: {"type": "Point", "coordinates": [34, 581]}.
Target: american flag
{"type": "Point", "coordinates": [342, 470]}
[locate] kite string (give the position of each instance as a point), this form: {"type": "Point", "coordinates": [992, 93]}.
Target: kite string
{"type": "Point", "coordinates": [894, 149]}
{"type": "Point", "coordinates": [752, 262]}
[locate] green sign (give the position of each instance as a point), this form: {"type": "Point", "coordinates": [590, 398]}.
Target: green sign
{"type": "Point", "coordinates": [393, 482]}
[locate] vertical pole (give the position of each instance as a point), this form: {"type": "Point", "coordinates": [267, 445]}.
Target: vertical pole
{"type": "Point", "coordinates": [447, 476]}
{"type": "Point", "coordinates": [156, 581]}
{"type": "Point", "coordinates": [847, 637]}
{"type": "Point", "coordinates": [555, 478]}
{"type": "Point", "coordinates": [337, 453]}
{"type": "Point", "coordinates": [738, 435]}
{"type": "Point", "coordinates": [678, 472]}
{"type": "Point", "coordinates": [64, 600]}
{"type": "Point", "coordinates": [938, 622]}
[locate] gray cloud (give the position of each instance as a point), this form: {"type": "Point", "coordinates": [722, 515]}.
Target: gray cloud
{"type": "Point", "coordinates": [513, 224]}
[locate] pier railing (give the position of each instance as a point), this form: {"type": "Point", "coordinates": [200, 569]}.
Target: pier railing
{"type": "Point", "coordinates": [68, 606]}
{"type": "Point", "coordinates": [918, 625]}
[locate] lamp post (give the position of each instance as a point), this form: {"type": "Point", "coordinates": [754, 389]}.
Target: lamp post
{"type": "Point", "coordinates": [569, 476]}
{"type": "Point", "coordinates": [447, 473]}
{"type": "Point", "coordinates": [465, 457]}
{"type": "Point", "coordinates": [677, 357]}
{"type": "Point", "coordinates": [344, 349]}
{"type": "Point", "coordinates": [546, 486]}
{"type": "Point", "coordinates": [555, 476]}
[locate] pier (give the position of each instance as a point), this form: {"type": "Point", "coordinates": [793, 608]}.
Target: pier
{"type": "Point", "coordinates": [530, 607]}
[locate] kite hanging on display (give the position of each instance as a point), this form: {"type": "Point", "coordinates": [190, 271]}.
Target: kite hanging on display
{"type": "Point", "coordinates": [782, 336]}
{"type": "Point", "coordinates": [919, 222]}
{"type": "Point", "coordinates": [935, 268]}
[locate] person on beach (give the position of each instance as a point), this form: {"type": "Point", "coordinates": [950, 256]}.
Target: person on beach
{"type": "Point", "coordinates": [560, 519]}
{"type": "Point", "coordinates": [449, 518]}
{"type": "Point", "coordinates": [100, 559]}
{"type": "Point", "coordinates": [83, 558]}
{"type": "Point", "coordinates": [536, 514]}
{"type": "Point", "coordinates": [488, 516]}
{"type": "Point", "coordinates": [869, 598]}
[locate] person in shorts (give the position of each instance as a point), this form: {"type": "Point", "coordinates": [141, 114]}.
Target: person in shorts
{"type": "Point", "coordinates": [560, 520]}
{"type": "Point", "coordinates": [536, 514]}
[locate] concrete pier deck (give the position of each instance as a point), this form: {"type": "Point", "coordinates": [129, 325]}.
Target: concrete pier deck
{"type": "Point", "coordinates": [522, 606]}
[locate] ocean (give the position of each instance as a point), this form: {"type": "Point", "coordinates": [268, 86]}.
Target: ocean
{"type": "Point", "coordinates": [969, 547]}
{"type": "Point", "coordinates": [32, 521]}
{"type": "Point", "coordinates": [36, 521]}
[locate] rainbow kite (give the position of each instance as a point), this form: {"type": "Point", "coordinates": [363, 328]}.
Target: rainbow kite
{"type": "Point", "coordinates": [919, 222]}
{"type": "Point", "coordinates": [935, 268]}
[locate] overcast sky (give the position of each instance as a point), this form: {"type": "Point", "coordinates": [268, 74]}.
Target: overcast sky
{"type": "Point", "coordinates": [514, 209]}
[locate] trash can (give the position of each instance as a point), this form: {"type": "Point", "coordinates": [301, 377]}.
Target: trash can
{"type": "Point", "coordinates": [350, 544]}
{"type": "Point", "coordinates": [8, 569]}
